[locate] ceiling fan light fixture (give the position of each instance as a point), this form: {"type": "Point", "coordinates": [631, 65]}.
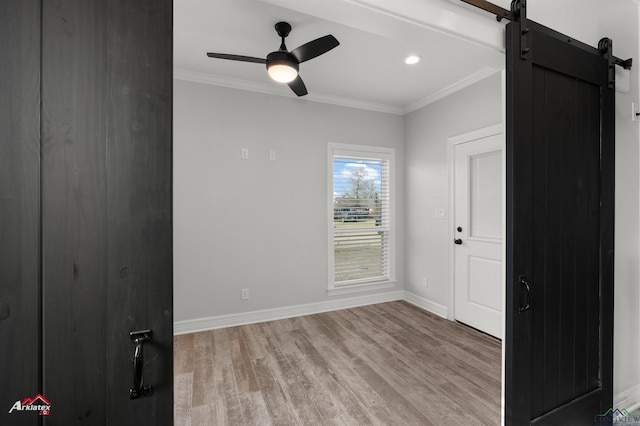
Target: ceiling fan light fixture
{"type": "Point", "coordinates": [282, 66]}
{"type": "Point", "coordinates": [282, 73]}
{"type": "Point", "coordinates": [412, 59]}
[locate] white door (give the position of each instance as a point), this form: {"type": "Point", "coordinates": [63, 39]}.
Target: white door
{"type": "Point", "coordinates": [478, 265]}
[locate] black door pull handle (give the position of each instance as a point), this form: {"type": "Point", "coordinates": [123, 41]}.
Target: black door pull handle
{"type": "Point", "coordinates": [527, 288]}
{"type": "Point", "coordinates": [139, 390]}
{"type": "Point", "coordinates": [458, 241]}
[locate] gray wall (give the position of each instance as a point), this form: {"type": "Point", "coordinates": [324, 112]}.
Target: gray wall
{"type": "Point", "coordinates": [427, 180]}
{"type": "Point", "coordinates": [256, 223]}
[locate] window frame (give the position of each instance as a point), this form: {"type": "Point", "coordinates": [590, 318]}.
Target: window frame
{"type": "Point", "coordinates": [360, 152]}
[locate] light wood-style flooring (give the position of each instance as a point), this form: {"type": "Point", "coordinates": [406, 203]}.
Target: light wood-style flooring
{"type": "Point", "coordinates": [386, 364]}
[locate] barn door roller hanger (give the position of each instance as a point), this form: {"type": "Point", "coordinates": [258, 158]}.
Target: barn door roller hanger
{"type": "Point", "coordinates": [518, 13]}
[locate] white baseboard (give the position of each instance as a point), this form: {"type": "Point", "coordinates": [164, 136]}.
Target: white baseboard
{"type": "Point", "coordinates": [426, 304]}
{"type": "Point", "coordinates": [629, 399]}
{"type": "Point", "coordinates": [232, 320]}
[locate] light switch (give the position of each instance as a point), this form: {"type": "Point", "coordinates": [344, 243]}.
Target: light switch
{"type": "Point", "coordinates": [244, 154]}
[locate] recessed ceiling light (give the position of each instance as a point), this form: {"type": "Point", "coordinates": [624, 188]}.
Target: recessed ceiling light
{"type": "Point", "coordinates": [412, 59]}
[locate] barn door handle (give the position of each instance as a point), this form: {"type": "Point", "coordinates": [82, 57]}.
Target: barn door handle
{"type": "Point", "coordinates": [139, 390]}
{"type": "Point", "coordinates": [527, 288]}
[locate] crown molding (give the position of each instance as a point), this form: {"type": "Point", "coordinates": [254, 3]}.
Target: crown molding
{"type": "Point", "coordinates": [270, 89]}
{"type": "Point", "coordinates": [234, 83]}
{"type": "Point", "coordinates": [449, 90]}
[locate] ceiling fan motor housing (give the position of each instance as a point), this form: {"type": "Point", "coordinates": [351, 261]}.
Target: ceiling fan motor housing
{"type": "Point", "coordinates": [280, 57]}
{"type": "Point", "coordinates": [282, 66]}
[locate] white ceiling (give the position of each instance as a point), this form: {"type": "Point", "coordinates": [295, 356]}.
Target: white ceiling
{"type": "Point", "coordinates": [458, 45]}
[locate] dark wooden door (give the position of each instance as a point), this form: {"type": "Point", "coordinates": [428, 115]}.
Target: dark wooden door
{"type": "Point", "coordinates": [86, 229]}
{"type": "Point", "coordinates": [20, 272]}
{"type": "Point", "coordinates": [560, 205]}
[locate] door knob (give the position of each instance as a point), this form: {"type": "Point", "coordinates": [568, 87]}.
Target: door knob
{"type": "Point", "coordinates": [458, 241]}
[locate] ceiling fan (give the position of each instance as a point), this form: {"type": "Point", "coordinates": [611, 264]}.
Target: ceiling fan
{"type": "Point", "coordinates": [282, 65]}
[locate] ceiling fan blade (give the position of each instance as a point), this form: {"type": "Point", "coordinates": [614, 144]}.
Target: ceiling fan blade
{"type": "Point", "coordinates": [298, 86]}
{"type": "Point", "coordinates": [237, 58]}
{"type": "Point", "coordinates": [315, 48]}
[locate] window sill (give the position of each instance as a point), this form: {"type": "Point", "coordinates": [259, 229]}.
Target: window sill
{"type": "Point", "coordinates": [359, 288]}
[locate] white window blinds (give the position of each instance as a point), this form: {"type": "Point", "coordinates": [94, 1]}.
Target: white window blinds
{"type": "Point", "coordinates": [361, 217]}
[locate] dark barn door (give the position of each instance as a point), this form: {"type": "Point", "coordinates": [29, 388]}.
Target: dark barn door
{"type": "Point", "coordinates": [560, 218]}
{"type": "Point", "coordinates": [19, 205]}
{"type": "Point", "coordinates": [85, 211]}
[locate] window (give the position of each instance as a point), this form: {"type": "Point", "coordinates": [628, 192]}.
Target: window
{"type": "Point", "coordinates": [360, 218]}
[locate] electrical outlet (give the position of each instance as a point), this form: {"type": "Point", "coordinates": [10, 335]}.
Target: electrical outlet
{"type": "Point", "coordinates": [244, 154]}
{"type": "Point", "coordinates": [272, 155]}
{"type": "Point", "coordinates": [425, 282]}
{"type": "Point", "coordinates": [245, 294]}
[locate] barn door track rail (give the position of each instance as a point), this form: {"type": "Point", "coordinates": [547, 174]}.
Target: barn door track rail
{"type": "Point", "coordinates": [518, 13]}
